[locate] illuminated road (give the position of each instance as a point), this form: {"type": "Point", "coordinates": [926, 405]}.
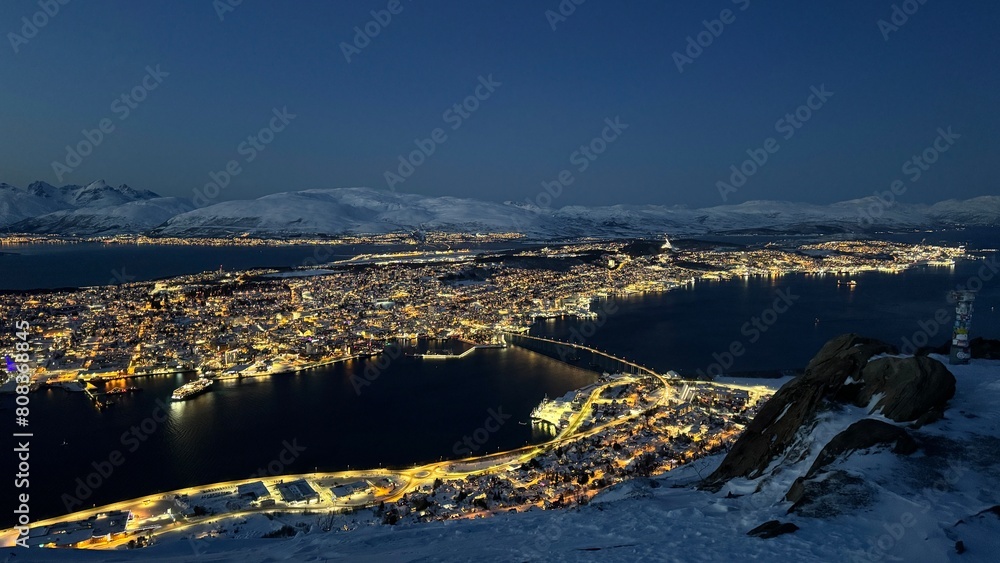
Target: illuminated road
{"type": "Point", "coordinates": [151, 511]}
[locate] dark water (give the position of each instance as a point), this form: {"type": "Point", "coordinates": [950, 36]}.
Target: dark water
{"type": "Point", "coordinates": [49, 266]}
{"type": "Point", "coordinates": [413, 411]}
{"type": "Point", "coordinates": [417, 410]}
{"type": "Point", "coordinates": [693, 328]}
{"type": "Point", "coordinates": [973, 238]}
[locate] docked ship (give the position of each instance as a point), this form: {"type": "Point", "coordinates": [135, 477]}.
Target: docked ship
{"type": "Point", "coordinates": [188, 390]}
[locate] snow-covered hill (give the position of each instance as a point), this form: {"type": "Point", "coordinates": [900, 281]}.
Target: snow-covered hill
{"type": "Point", "coordinates": [350, 210]}
{"type": "Point", "coordinates": [42, 208]}
{"type": "Point", "coordinates": [130, 217]}
{"type": "Point", "coordinates": [363, 210]}
{"type": "Point", "coordinates": [893, 507]}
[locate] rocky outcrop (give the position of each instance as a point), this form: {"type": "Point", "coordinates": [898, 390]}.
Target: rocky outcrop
{"type": "Point", "coordinates": [909, 388]}
{"type": "Point", "coordinates": [772, 529]}
{"type": "Point", "coordinates": [861, 435]}
{"type": "Point", "coordinates": [775, 426]}
{"type": "Point", "coordinates": [902, 389]}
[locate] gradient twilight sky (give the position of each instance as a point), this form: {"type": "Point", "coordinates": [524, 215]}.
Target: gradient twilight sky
{"type": "Point", "coordinates": [607, 59]}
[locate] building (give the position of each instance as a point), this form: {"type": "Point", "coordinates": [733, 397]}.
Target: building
{"type": "Point", "coordinates": [350, 489]}
{"type": "Point", "coordinates": [297, 492]}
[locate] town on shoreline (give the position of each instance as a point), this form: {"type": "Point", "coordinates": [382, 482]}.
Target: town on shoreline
{"type": "Point", "coordinates": [265, 321]}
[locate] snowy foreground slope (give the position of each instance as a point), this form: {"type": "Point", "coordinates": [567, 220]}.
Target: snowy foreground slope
{"type": "Point", "coordinates": [906, 508]}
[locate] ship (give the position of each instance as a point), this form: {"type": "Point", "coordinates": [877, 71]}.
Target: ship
{"type": "Point", "coordinates": [123, 390]}
{"type": "Point", "coordinates": [188, 390]}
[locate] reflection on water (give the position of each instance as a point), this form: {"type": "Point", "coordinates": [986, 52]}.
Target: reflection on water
{"type": "Point", "coordinates": [415, 411]}
{"type": "Point", "coordinates": [692, 328]}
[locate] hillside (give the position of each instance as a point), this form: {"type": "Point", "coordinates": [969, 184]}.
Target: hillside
{"type": "Point", "coordinates": [100, 209]}
{"type": "Point", "coordinates": [871, 496]}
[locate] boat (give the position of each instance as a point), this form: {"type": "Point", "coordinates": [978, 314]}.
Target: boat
{"type": "Point", "coordinates": [123, 390]}
{"type": "Point", "coordinates": [188, 390]}
{"type": "Point", "coordinates": [851, 283]}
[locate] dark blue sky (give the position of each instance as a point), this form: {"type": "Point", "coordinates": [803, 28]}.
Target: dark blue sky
{"type": "Point", "coordinates": [353, 120]}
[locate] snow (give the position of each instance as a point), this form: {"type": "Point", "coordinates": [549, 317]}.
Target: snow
{"type": "Point", "coordinates": [96, 208]}
{"type": "Point", "coordinates": [368, 211]}
{"type": "Point", "coordinates": [919, 506]}
{"type": "Point", "coordinates": [364, 210]}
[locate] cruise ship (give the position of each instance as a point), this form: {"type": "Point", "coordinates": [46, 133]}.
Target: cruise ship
{"type": "Point", "coordinates": [191, 389]}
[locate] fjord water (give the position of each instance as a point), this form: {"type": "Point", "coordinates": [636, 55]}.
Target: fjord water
{"type": "Point", "coordinates": [65, 265]}
{"type": "Point", "coordinates": [414, 410]}
{"type": "Point", "coordinates": [418, 410]}
{"type": "Point", "coordinates": [696, 328]}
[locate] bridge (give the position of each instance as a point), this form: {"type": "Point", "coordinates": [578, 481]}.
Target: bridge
{"type": "Point", "coordinates": [574, 353]}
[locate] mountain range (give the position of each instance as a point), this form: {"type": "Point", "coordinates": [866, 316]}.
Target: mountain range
{"type": "Point", "coordinates": [95, 209]}
{"type": "Point", "coordinates": [102, 209]}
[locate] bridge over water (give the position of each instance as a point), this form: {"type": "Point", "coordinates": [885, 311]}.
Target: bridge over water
{"type": "Point", "coordinates": [578, 354]}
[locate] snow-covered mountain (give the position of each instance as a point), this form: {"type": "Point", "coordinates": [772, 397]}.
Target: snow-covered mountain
{"type": "Point", "coordinates": [102, 209]}
{"type": "Point", "coordinates": [130, 217]}
{"type": "Point", "coordinates": [44, 208]}
{"type": "Point", "coordinates": [350, 210]}
{"type": "Point", "coordinates": [364, 210]}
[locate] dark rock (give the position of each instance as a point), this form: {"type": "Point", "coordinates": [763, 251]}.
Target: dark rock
{"type": "Point", "coordinates": [984, 348]}
{"type": "Point", "coordinates": [910, 387]}
{"type": "Point", "coordinates": [835, 493]}
{"type": "Point", "coordinates": [775, 426]}
{"type": "Point", "coordinates": [994, 510]}
{"type": "Point", "coordinates": [772, 529]}
{"type": "Point", "coordinates": [861, 435]}
{"type": "Point", "coordinates": [932, 415]}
